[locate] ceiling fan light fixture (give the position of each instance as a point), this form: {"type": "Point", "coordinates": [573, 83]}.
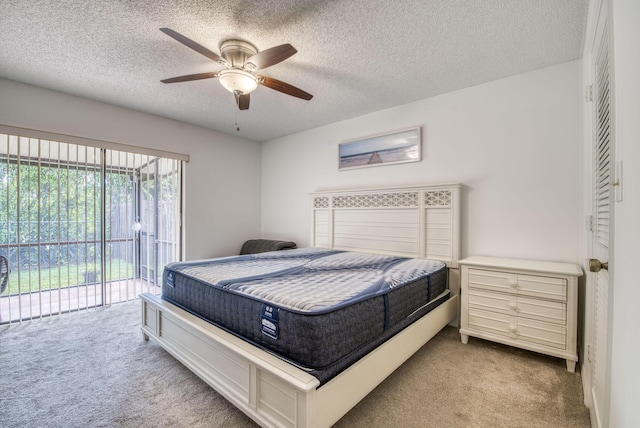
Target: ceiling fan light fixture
{"type": "Point", "coordinates": [235, 80]}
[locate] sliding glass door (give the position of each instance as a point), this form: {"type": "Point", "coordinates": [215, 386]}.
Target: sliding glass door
{"type": "Point", "coordinates": [83, 226]}
{"type": "Point", "coordinates": [159, 217]}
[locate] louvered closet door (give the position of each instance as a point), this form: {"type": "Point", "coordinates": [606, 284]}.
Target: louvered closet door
{"type": "Point", "coordinates": [603, 214]}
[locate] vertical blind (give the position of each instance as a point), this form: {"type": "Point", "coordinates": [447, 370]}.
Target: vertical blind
{"type": "Point", "coordinates": [83, 226]}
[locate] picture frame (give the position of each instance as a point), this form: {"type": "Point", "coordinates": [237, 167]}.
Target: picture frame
{"type": "Point", "coordinates": [390, 148]}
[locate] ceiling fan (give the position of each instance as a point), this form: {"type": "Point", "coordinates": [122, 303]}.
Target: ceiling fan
{"type": "Point", "coordinates": [241, 60]}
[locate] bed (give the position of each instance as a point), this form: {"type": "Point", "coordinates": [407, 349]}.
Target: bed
{"type": "Point", "coordinates": [400, 244]}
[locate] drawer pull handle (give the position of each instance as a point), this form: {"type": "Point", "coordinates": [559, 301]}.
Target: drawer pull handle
{"type": "Point", "coordinates": [513, 284]}
{"type": "Point", "coordinates": [513, 307]}
{"type": "Point", "coordinates": [513, 328]}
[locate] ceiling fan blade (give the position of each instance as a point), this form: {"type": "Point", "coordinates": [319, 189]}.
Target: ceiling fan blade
{"type": "Point", "coordinates": [190, 77]}
{"type": "Point", "coordinates": [270, 57]}
{"type": "Point", "coordinates": [242, 101]}
{"type": "Point", "coordinates": [193, 45]}
{"type": "Point", "coordinates": [283, 87]}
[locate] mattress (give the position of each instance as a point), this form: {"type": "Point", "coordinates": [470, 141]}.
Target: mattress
{"type": "Point", "coordinates": [318, 309]}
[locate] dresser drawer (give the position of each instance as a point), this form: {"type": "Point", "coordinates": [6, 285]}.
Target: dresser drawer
{"type": "Point", "coordinates": [516, 305]}
{"type": "Point", "coordinates": [517, 328]}
{"type": "Point", "coordinates": [551, 335]}
{"type": "Point", "coordinates": [521, 284]}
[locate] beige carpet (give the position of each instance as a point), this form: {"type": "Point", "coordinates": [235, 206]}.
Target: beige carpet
{"type": "Point", "coordinates": [92, 369]}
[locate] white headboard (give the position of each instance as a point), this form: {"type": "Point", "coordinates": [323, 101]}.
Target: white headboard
{"type": "Point", "coordinates": [416, 221]}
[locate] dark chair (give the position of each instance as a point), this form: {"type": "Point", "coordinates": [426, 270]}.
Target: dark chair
{"type": "Point", "coordinates": [253, 246]}
{"type": "Point", "coordinates": [4, 273]}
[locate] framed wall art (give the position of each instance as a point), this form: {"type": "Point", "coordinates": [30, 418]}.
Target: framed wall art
{"type": "Point", "coordinates": [382, 149]}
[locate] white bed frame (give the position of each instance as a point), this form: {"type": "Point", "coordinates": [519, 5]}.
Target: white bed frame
{"type": "Point", "coordinates": [419, 221]}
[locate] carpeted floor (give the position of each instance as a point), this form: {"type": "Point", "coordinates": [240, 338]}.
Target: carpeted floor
{"type": "Point", "coordinates": [92, 369]}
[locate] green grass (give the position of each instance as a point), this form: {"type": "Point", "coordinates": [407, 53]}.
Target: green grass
{"type": "Point", "coordinates": [64, 276]}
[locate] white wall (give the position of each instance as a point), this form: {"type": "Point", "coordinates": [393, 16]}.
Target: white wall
{"type": "Point", "coordinates": [513, 143]}
{"type": "Point", "coordinates": [222, 178]}
{"type": "Point", "coordinates": [625, 341]}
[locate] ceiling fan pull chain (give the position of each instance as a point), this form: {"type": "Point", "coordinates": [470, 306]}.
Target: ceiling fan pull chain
{"type": "Point", "coordinates": [237, 126]}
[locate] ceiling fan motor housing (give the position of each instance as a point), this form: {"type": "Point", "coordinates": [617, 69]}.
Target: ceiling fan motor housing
{"type": "Point", "coordinates": [236, 52]}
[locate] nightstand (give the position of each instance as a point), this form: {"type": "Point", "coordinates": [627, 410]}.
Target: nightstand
{"type": "Point", "coordinates": [524, 303]}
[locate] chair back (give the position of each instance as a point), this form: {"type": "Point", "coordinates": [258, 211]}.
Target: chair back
{"type": "Point", "coordinates": [4, 273]}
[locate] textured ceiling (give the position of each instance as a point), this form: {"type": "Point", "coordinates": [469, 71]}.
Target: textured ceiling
{"type": "Point", "coordinates": [354, 56]}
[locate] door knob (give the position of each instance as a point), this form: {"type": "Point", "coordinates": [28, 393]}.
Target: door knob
{"type": "Point", "coordinates": [596, 265]}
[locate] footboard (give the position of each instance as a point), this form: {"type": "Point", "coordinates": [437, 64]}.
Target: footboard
{"type": "Point", "coordinates": [270, 391]}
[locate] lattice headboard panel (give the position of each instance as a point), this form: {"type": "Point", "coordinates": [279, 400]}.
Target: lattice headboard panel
{"type": "Point", "coordinates": [421, 221]}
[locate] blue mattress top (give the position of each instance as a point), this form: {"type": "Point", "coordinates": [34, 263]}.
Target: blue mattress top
{"type": "Point", "coordinates": [306, 280]}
